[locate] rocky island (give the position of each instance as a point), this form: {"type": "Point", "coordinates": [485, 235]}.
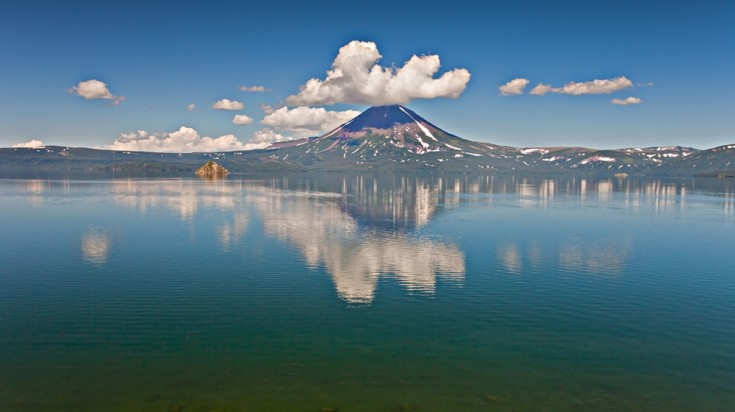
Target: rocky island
{"type": "Point", "coordinates": [211, 170]}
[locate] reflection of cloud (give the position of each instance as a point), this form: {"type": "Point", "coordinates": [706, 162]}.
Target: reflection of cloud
{"type": "Point", "coordinates": [510, 256]}
{"type": "Point", "coordinates": [35, 188]}
{"type": "Point", "coordinates": [601, 257]}
{"type": "Point", "coordinates": [415, 263]}
{"type": "Point", "coordinates": [356, 259]}
{"type": "Point", "coordinates": [230, 233]}
{"type": "Point", "coordinates": [535, 255]}
{"type": "Point", "coordinates": [95, 245]}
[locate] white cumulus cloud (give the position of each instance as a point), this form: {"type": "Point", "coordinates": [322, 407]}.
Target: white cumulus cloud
{"type": "Point", "coordinates": [31, 144]}
{"type": "Point", "coordinates": [541, 89]}
{"type": "Point", "coordinates": [95, 89]}
{"type": "Point", "coordinates": [357, 78]}
{"type": "Point", "coordinates": [184, 140]}
{"type": "Point", "coordinates": [252, 89]}
{"type": "Point", "coordinates": [267, 136]}
{"type": "Point", "coordinates": [227, 104]}
{"type": "Point", "coordinates": [304, 121]}
{"type": "Point", "coordinates": [513, 87]}
{"type": "Point", "coordinates": [597, 86]}
{"type": "Point", "coordinates": [242, 120]}
{"type": "Point", "coordinates": [626, 102]}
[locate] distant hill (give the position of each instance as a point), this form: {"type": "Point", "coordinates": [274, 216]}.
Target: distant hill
{"type": "Point", "coordinates": [387, 138]}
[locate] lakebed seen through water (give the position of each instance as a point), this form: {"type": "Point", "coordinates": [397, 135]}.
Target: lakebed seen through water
{"type": "Point", "coordinates": [367, 293]}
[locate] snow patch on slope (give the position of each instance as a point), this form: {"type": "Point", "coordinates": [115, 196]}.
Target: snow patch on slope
{"type": "Point", "coordinates": [597, 159]}
{"type": "Point", "coordinates": [421, 126]}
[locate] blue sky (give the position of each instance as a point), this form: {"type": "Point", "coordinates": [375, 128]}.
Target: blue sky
{"type": "Point", "coordinates": [679, 58]}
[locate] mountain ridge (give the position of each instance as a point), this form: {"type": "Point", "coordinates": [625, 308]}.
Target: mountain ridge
{"type": "Point", "coordinates": [389, 138]}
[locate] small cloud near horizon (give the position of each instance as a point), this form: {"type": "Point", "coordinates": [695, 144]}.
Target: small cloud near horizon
{"type": "Point", "coordinates": [31, 144]}
{"type": "Point", "coordinates": [242, 120]}
{"type": "Point", "coordinates": [94, 90]}
{"type": "Point", "coordinates": [188, 140]}
{"type": "Point", "coordinates": [513, 87]}
{"type": "Point", "coordinates": [267, 136]}
{"type": "Point", "coordinates": [184, 140]}
{"type": "Point", "coordinates": [252, 89]}
{"type": "Point", "coordinates": [626, 102]}
{"type": "Point", "coordinates": [541, 89]}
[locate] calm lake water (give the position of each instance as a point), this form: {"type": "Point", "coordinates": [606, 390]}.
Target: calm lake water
{"type": "Point", "coordinates": [367, 293]}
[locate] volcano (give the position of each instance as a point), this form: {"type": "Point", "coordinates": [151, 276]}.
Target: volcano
{"type": "Point", "coordinates": [387, 134]}
{"type": "Point", "coordinates": [384, 126]}
{"type": "Point", "coordinates": [391, 138]}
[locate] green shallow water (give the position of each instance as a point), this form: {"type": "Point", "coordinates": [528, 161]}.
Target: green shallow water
{"type": "Point", "coordinates": [367, 293]}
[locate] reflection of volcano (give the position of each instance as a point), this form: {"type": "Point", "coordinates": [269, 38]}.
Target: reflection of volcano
{"type": "Point", "coordinates": [404, 202]}
{"type": "Point", "coordinates": [356, 258]}
{"type": "Point", "coordinates": [388, 201]}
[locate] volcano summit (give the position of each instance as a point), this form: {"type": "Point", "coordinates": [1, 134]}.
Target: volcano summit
{"type": "Point", "coordinates": [384, 134]}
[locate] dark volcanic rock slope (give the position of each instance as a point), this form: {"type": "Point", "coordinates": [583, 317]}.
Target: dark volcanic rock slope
{"type": "Point", "coordinates": [395, 138]}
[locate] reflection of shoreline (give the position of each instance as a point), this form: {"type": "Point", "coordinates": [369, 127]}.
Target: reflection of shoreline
{"type": "Point", "coordinates": [395, 201]}
{"type": "Point", "coordinates": [185, 198]}
{"type": "Point", "coordinates": [181, 196]}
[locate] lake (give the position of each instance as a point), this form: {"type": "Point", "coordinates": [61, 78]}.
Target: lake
{"type": "Point", "coordinates": [331, 292]}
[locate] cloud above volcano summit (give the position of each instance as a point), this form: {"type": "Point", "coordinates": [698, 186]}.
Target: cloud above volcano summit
{"type": "Point", "coordinates": [357, 78]}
